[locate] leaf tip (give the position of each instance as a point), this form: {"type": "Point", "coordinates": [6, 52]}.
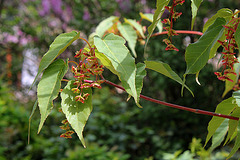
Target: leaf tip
{"type": "Point", "coordinates": [197, 79]}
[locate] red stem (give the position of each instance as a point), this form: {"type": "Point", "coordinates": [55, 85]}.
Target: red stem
{"type": "Point", "coordinates": [198, 111]}
{"type": "Point", "coordinates": [179, 32]}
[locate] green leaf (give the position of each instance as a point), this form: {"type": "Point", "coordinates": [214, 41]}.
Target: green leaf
{"type": "Point", "coordinates": [219, 135]}
{"type": "Point", "coordinates": [222, 13]}
{"type": "Point", "coordinates": [229, 85]}
{"type": "Point", "coordinates": [112, 46]}
{"type": "Point", "coordinates": [129, 34]}
{"type": "Point", "coordinates": [236, 95]}
{"type": "Point", "coordinates": [166, 70]}
{"type": "Point", "coordinates": [141, 73]}
{"type": "Point", "coordinates": [106, 62]}
{"type": "Point", "coordinates": [217, 45]}
{"type": "Point", "coordinates": [77, 113]}
{"type": "Point", "coordinates": [197, 54]}
{"type": "Point", "coordinates": [105, 25]}
{"type": "Point", "coordinates": [225, 107]}
{"type": "Point", "coordinates": [237, 36]}
{"type": "Point", "coordinates": [49, 87]}
{"type": "Point", "coordinates": [149, 17]}
{"type": "Point", "coordinates": [237, 142]}
{"type": "Point", "coordinates": [58, 46]}
{"type": "Point", "coordinates": [232, 124]}
{"type": "Point", "coordinates": [30, 118]}
{"type": "Point", "coordinates": [195, 5]}
{"type": "Point", "coordinates": [136, 25]}
{"type": "Point", "coordinates": [156, 17]}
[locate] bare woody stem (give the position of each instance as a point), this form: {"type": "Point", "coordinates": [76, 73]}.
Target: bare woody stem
{"type": "Point", "coordinates": [85, 41]}
{"type": "Point", "coordinates": [198, 111]}
{"type": "Point", "coordinates": [179, 32]}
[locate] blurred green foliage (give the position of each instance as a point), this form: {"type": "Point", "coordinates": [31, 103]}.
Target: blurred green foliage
{"type": "Point", "coordinates": [116, 129]}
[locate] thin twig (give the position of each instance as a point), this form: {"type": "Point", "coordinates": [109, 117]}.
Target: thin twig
{"type": "Point", "coordinates": [85, 41]}
{"type": "Point", "coordinates": [179, 32]}
{"type": "Point", "coordinates": [198, 111]}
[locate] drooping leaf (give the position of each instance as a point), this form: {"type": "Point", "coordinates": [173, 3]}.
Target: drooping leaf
{"type": "Point", "coordinates": [141, 73]}
{"type": "Point", "coordinates": [112, 46]}
{"type": "Point", "coordinates": [76, 112]}
{"type": "Point", "coordinates": [225, 107]}
{"type": "Point", "coordinates": [30, 118]}
{"type": "Point", "coordinates": [58, 46]}
{"type": "Point", "coordinates": [197, 54]}
{"type": "Point", "coordinates": [106, 62]}
{"type": "Point", "coordinates": [149, 17]}
{"type": "Point", "coordinates": [222, 13]}
{"type": "Point", "coordinates": [136, 25]}
{"type": "Point", "coordinates": [195, 5]}
{"type": "Point", "coordinates": [232, 125]}
{"type": "Point", "coordinates": [237, 36]}
{"type": "Point", "coordinates": [228, 84]}
{"type": "Point", "coordinates": [236, 95]}
{"type": "Point", "coordinates": [105, 25]}
{"type": "Point", "coordinates": [216, 46]}
{"type": "Point", "coordinates": [237, 143]}
{"type": "Point", "coordinates": [166, 70]}
{"type": "Point", "coordinates": [156, 17]}
{"type": "Point", "coordinates": [49, 87]}
{"type": "Point", "coordinates": [219, 135]}
{"type": "Point", "coordinates": [129, 34]}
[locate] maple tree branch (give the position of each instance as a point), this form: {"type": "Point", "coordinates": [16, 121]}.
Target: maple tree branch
{"type": "Point", "coordinates": [197, 111]}
{"type": "Point", "coordinates": [179, 32]}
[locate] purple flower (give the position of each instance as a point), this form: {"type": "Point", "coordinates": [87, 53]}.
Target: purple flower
{"type": "Point", "coordinates": [86, 14]}
{"type": "Point", "coordinates": [57, 6]}
{"type": "Point", "coordinates": [205, 20]}
{"type": "Point", "coordinates": [46, 7]}
{"type": "Point", "coordinates": [125, 5]}
{"type": "Point", "coordinates": [11, 39]}
{"type": "Point", "coordinates": [67, 14]}
{"type": "Point", "coordinates": [143, 2]}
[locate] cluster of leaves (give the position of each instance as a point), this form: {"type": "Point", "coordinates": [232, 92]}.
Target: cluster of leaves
{"type": "Point", "coordinates": [111, 52]}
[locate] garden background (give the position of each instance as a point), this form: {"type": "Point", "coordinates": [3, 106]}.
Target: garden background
{"type": "Point", "coordinates": [116, 129]}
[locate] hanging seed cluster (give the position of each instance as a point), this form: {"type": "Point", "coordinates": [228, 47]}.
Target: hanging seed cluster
{"type": "Point", "coordinates": [173, 15]}
{"type": "Point", "coordinates": [230, 46]}
{"type": "Point", "coordinates": [87, 67]}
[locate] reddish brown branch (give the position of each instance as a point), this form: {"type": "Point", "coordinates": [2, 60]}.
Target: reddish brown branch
{"type": "Point", "coordinates": [198, 111]}
{"type": "Point", "coordinates": [179, 32]}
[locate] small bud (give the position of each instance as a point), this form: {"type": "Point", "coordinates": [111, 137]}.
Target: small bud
{"type": "Point", "coordinates": [85, 96]}
{"type": "Point", "coordinates": [85, 85]}
{"type": "Point", "coordinates": [96, 85]}
{"type": "Point", "coordinates": [75, 90]}
{"type": "Point", "coordinates": [65, 121]}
